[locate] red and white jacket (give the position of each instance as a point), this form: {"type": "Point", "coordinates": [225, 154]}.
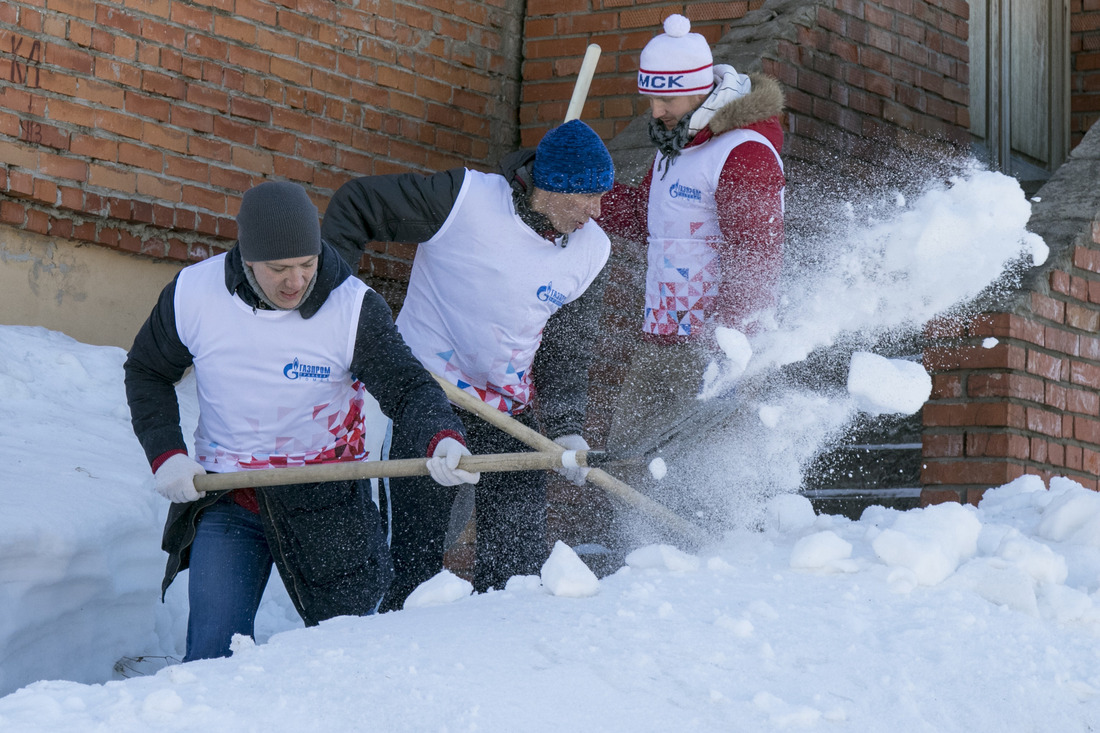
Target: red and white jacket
{"type": "Point", "coordinates": [713, 221]}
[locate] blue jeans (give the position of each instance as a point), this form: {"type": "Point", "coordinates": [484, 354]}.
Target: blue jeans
{"type": "Point", "coordinates": [230, 565]}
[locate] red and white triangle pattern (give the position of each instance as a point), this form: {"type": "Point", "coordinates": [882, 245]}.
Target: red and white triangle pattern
{"type": "Point", "coordinates": [684, 297]}
{"type": "Point", "coordinates": [511, 398]}
{"type": "Point", "coordinates": [339, 436]}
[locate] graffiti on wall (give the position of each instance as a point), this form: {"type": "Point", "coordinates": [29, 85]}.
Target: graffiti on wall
{"type": "Point", "coordinates": [25, 72]}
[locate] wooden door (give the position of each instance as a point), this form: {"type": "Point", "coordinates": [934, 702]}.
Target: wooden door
{"type": "Point", "coordinates": [1019, 84]}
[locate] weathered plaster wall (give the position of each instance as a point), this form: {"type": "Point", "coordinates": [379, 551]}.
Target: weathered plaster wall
{"type": "Point", "coordinates": [95, 295]}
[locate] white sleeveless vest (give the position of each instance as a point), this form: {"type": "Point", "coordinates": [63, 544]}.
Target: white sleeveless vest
{"type": "Point", "coordinates": [684, 269]}
{"type": "Point", "coordinates": [274, 388]}
{"type": "Point", "coordinates": [483, 288]}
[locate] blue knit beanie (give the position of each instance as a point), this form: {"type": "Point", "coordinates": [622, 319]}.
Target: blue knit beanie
{"type": "Point", "coordinates": [572, 158]}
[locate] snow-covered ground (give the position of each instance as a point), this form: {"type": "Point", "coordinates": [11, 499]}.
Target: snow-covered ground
{"type": "Point", "coordinates": [950, 618]}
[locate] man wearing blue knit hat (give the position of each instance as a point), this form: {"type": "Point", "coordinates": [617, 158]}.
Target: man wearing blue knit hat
{"type": "Point", "coordinates": [503, 302]}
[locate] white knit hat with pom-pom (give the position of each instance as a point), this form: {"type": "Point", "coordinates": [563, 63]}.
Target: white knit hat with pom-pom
{"type": "Point", "coordinates": [676, 63]}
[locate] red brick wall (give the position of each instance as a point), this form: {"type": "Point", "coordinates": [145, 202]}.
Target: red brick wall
{"type": "Point", "coordinates": [1030, 404]}
{"type": "Point", "coordinates": [556, 34]}
{"type": "Point", "coordinates": [860, 76]}
{"type": "Point", "coordinates": [874, 80]}
{"type": "Point", "coordinates": [1085, 66]}
{"type": "Point", "coordinates": [138, 129]}
{"type": "Point", "coordinates": [138, 126]}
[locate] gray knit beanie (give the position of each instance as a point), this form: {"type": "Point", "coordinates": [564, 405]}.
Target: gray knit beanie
{"type": "Point", "coordinates": [277, 221]}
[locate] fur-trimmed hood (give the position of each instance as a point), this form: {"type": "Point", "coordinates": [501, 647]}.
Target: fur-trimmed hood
{"type": "Point", "coordinates": [763, 102]}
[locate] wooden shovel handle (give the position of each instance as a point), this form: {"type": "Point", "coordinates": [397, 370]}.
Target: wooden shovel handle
{"type": "Point", "coordinates": [584, 80]}
{"type": "Point", "coordinates": [597, 476]}
{"type": "Point", "coordinates": [354, 470]}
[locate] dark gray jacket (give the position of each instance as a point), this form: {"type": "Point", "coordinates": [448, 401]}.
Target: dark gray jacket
{"type": "Point", "coordinates": [409, 207]}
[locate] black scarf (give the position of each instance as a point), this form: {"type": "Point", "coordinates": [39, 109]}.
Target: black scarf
{"type": "Point", "coordinates": [521, 199]}
{"type": "Point", "coordinates": [669, 142]}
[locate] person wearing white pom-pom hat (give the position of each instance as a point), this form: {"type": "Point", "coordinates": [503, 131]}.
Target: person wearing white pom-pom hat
{"type": "Point", "coordinates": [711, 211]}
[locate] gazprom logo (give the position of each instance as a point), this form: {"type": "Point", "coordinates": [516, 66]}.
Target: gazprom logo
{"type": "Point", "coordinates": [677, 191]}
{"type": "Point", "coordinates": [297, 370]}
{"type": "Point", "coordinates": [546, 293]}
{"type": "Point", "coordinates": [660, 81]}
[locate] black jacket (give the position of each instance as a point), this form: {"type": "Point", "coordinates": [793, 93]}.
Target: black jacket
{"type": "Point", "coordinates": [409, 207]}
{"type": "Point", "coordinates": [325, 537]}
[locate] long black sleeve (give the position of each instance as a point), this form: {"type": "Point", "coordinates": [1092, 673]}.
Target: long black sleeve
{"type": "Point", "coordinates": [402, 207]}
{"type": "Point", "coordinates": [405, 391]}
{"type": "Point", "coordinates": [561, 364]}
{"type": "Point", "coordinates": [155, 363]}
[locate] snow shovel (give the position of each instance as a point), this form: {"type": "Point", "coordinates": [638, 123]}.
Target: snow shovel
{"type": "Point", "coordinates": [354, 470]}
{"type": "Point", "coordinates": [601, 478]}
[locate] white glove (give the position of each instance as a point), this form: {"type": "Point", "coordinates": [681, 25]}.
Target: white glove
{"type": "Point", "coordinates": [579, 474]}
{"type": "Point", "coordinates": [443, 464]}
{"type": "Point", "coordinates": [176, 479]}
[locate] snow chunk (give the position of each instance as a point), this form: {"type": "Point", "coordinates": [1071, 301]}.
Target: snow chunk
{"type": "Point", "coordinates": [1001, 583]}
{"type": "Point", "coordinates": [1024, 492]}
{"type": "Point", "coordinates": [1036, 248]}
{"type": "Point", "coordinates": [520, 583]}
{"type": "Point", "coordinates": [1037, 560]}
{"type": "Point", "coordinates": [565, 574]}
{"type": "Point", "coordinates": [770, 415]}
{"type": "Point", "coordinates": [658, 468]}
{"type": "Point", "coordinates": [721, 375]}
{"type": "Point", "coordinates": [241, 644]}
{"type": "Point", "coordinates": [931, 542]}
{"type": "Point", "coordinates": [790, 513]}
{"type": "Point", "coordinates": [1065, 604]}
{"type": "Point", "coordinates": [735, 345]}
{"type": "Point", "coordinates": [887, 386]}
{"type": "Point", "coordinates": [661, 557]}
{"type": "Point", "coordinates": [1073, 514]}
{"type": "Point", "coordinates": [825, 551]}
{"type": "Point", "coordinates": [442, 588]}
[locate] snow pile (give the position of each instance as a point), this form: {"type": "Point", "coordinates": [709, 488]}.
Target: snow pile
{"type": "Point", "coordinates": [661, 557]}
{"type": "Point", "coordinates": [949, 618]}
{"type": "Point", "coordinates": [824, 551]}
{"type": "Point", "coordinates": [798, 626]}
{"type": "Point", "coordinates": [77, 513]}
{"type": "Point", "coordinates": [926, 547]}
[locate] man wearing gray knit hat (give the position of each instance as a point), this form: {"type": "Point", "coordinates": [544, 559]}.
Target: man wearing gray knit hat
{"type": "Point", "coordinates": [267, 328]}
{"type": "Point", "coordinates": [278, 229]}
{"type": "Point", "coordinates": [503, 302]}
{"type": "Point", "coordinates": [277, 220]}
